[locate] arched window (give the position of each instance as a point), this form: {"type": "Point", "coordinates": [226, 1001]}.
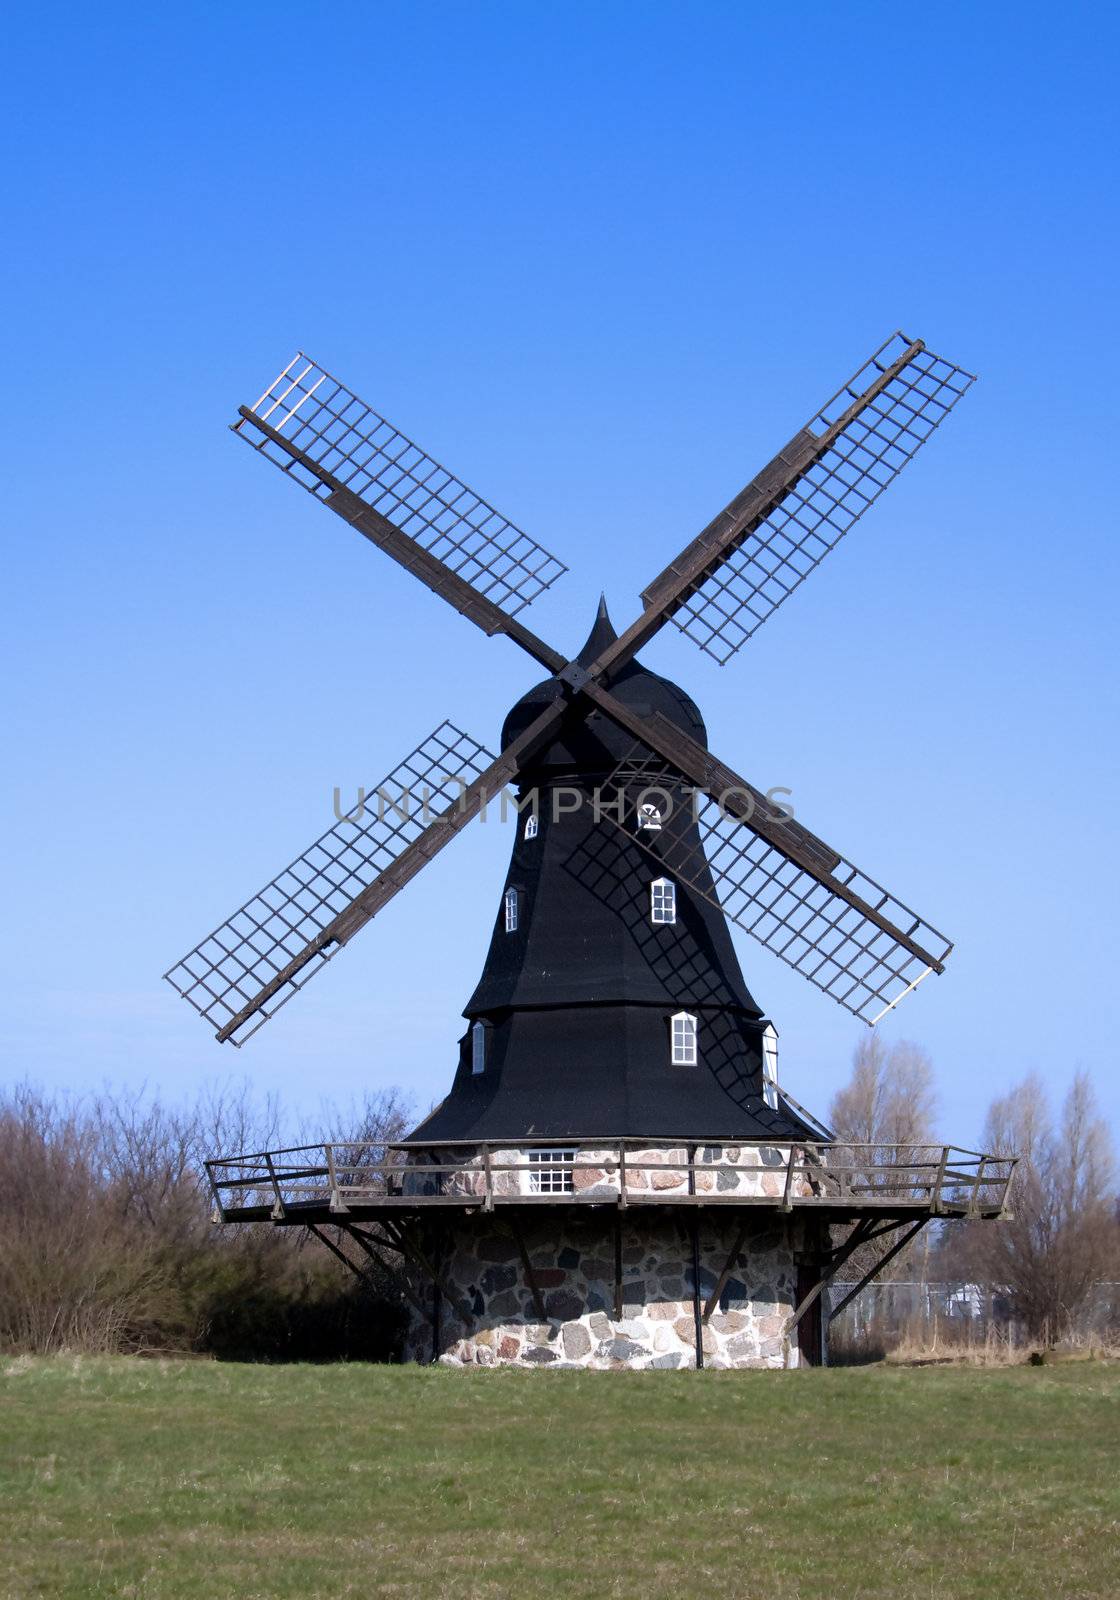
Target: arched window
{"type": "Point", "coordinates": [770, 1065]}
{"type": "Point", "coordinates": [649, 817]}
{"type": "Point", "coordinates": [662, 901]}
{"type": "Point", "coordinates": [531, 826]}
{"type": "Point", "coordinates": [478, 1048]}
{"type": "Point", "coordinates": [683, 1027]}
{"type": "Point", "coordinates": [511, 909]}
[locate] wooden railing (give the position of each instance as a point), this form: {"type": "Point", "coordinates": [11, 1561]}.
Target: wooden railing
{"type": "Point", "coordinates": [337, 1178]}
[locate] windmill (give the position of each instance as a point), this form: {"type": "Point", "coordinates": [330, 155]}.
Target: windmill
{"type": "Point", "coordinates": [611, 966]}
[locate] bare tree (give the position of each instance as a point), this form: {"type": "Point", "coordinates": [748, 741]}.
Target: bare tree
{"type": "Point", "coordinates": [889, 1099]}
{"type": "Point", "coordinates": [889, 1104]}
{"type": "Point", "coordinates": [1062, 1237]}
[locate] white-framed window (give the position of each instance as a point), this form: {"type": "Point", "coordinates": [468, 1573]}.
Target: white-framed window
{"type": "Point", "coordinates": [649, 817]}
{"type": "Point", "coordinates": [550, 1171]}
{"type": "Point", "coordinates": [683, 1028]}
{"type": "Point", "coordinates": [662, 900]}
{"type": "Point", "coordinates": [531, 825]}
{"type": "Point", "coordinates": [511, 909]}
{"type": "Point", "coordinates": [770, 1065]}
{"type": "Point", "coordinates": [479, 1031]}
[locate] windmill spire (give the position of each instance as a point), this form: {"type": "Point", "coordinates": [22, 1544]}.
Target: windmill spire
{"type": "Point", "coordinates": [602, 634]}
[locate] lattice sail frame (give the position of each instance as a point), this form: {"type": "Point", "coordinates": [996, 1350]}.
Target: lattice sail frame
{"type": "Point", "coordinates": [778, 555]}
{"type": "Point", "coordinates": [234, 963]}
{"type": "Point", "coordinates": [337, 430]}
{"type": "Point", "coordinates": [777, 902]}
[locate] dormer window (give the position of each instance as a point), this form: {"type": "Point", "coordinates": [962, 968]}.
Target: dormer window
{"type": "Point", "coordinates": [531, 826]}
{"type": "Point", "coordinates": [511, 910]}
{"type": "Point", "coordinates": [649, 817]}
{"type": "Point", "coordinates": [478, 1048]}
{"type": "Point", "coordinates": [662, 901]}
{"type": "Point", "coordinates": [770, 1066]}
{"type": "Point", "coordinates": [683, 1034]}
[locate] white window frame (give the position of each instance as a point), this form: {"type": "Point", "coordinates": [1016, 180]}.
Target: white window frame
{"type": "Point", "coordinates": [553, 1173]}
{"type": "Point", "coordinates": [511, 908]}
{"type": "Point", "coordinates": [479, 1041]}
{"type": "Point", "coordinates": [531, 826]}
{"type": "Point", "coordinates": [683, 1049]}
{"type": "Point", "coordinates": [662, 902]}
{"type": "Point", "coordinates": [770, 1066]}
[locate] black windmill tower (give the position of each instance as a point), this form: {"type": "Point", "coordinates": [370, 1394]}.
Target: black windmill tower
{"type": "Point", "coordinates": [605, 947]}
{"type": "Point", "coordinates": [615, 1128]}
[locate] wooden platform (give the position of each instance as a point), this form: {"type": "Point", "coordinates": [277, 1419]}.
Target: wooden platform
{"type": "Point", "coordinates": [336, 1183]}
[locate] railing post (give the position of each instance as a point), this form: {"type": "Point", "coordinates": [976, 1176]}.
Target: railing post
{"type": "Point", "coordinates": [332, 1177]}
{"type": "Point", "coordinates": [936, 1203]}
{"type": "Point", "coordinates": [487, 1180]}
{"type": "Point", "coordinates": [974, 1207]}
{"type": "Point", "coordinates": [622, 1172]}
{"type": "Point", "coordinates": [787, 1197]}
{"type": "Point", "coordinates": [394, 1170]}
{"type": "Point", "coordinates": [278, 1208]}
{"type": "Point", "coordinates": [218, 1206]}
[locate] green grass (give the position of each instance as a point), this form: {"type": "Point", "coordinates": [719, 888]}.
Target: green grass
{"type": "Point", "coordinates": [173, 1478]}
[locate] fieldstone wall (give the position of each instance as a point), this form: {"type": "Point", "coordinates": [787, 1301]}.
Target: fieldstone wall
{"type": "Point", "coordinates": [757, 1171]}
{"type": "Point", "coordinates": [489, 1317]}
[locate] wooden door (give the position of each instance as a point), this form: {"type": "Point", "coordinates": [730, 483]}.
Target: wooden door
{"type": "Point", "coordinates": [810, 1343]}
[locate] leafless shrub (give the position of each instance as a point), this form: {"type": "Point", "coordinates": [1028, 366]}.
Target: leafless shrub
{"type": "Point", "coordinates": [76, 1270]}
{"type": "Point", "coordinates": [362, 1136]}
{"type": "Point", "coordinates": [106, 1242]}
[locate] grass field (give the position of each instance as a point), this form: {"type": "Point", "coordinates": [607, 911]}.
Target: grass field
{"type": "Point", "coordinates": [169, 1478]}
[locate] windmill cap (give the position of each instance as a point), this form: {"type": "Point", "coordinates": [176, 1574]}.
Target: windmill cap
{"type": "Point", "coordinates": [589, 741]}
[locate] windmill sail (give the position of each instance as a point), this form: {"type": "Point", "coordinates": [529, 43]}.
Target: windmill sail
{"type": "Point", "coordinates": [804, 901]}
{"type": "Point", "coordinates": [825, 937]}
{"type": "Point", "coordinates": [766, 542]}
{"type": "Point", "coordinates": [288, 930]}
{"type": "Point", "coordinates": [318, 432]}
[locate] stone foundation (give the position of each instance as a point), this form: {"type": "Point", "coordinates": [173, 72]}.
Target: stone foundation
{"type": "Point", "coordinates": [488, 1318]}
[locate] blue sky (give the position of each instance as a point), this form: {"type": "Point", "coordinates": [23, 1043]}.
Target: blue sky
{"type": "Point", "coordinates": [601, 260]}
